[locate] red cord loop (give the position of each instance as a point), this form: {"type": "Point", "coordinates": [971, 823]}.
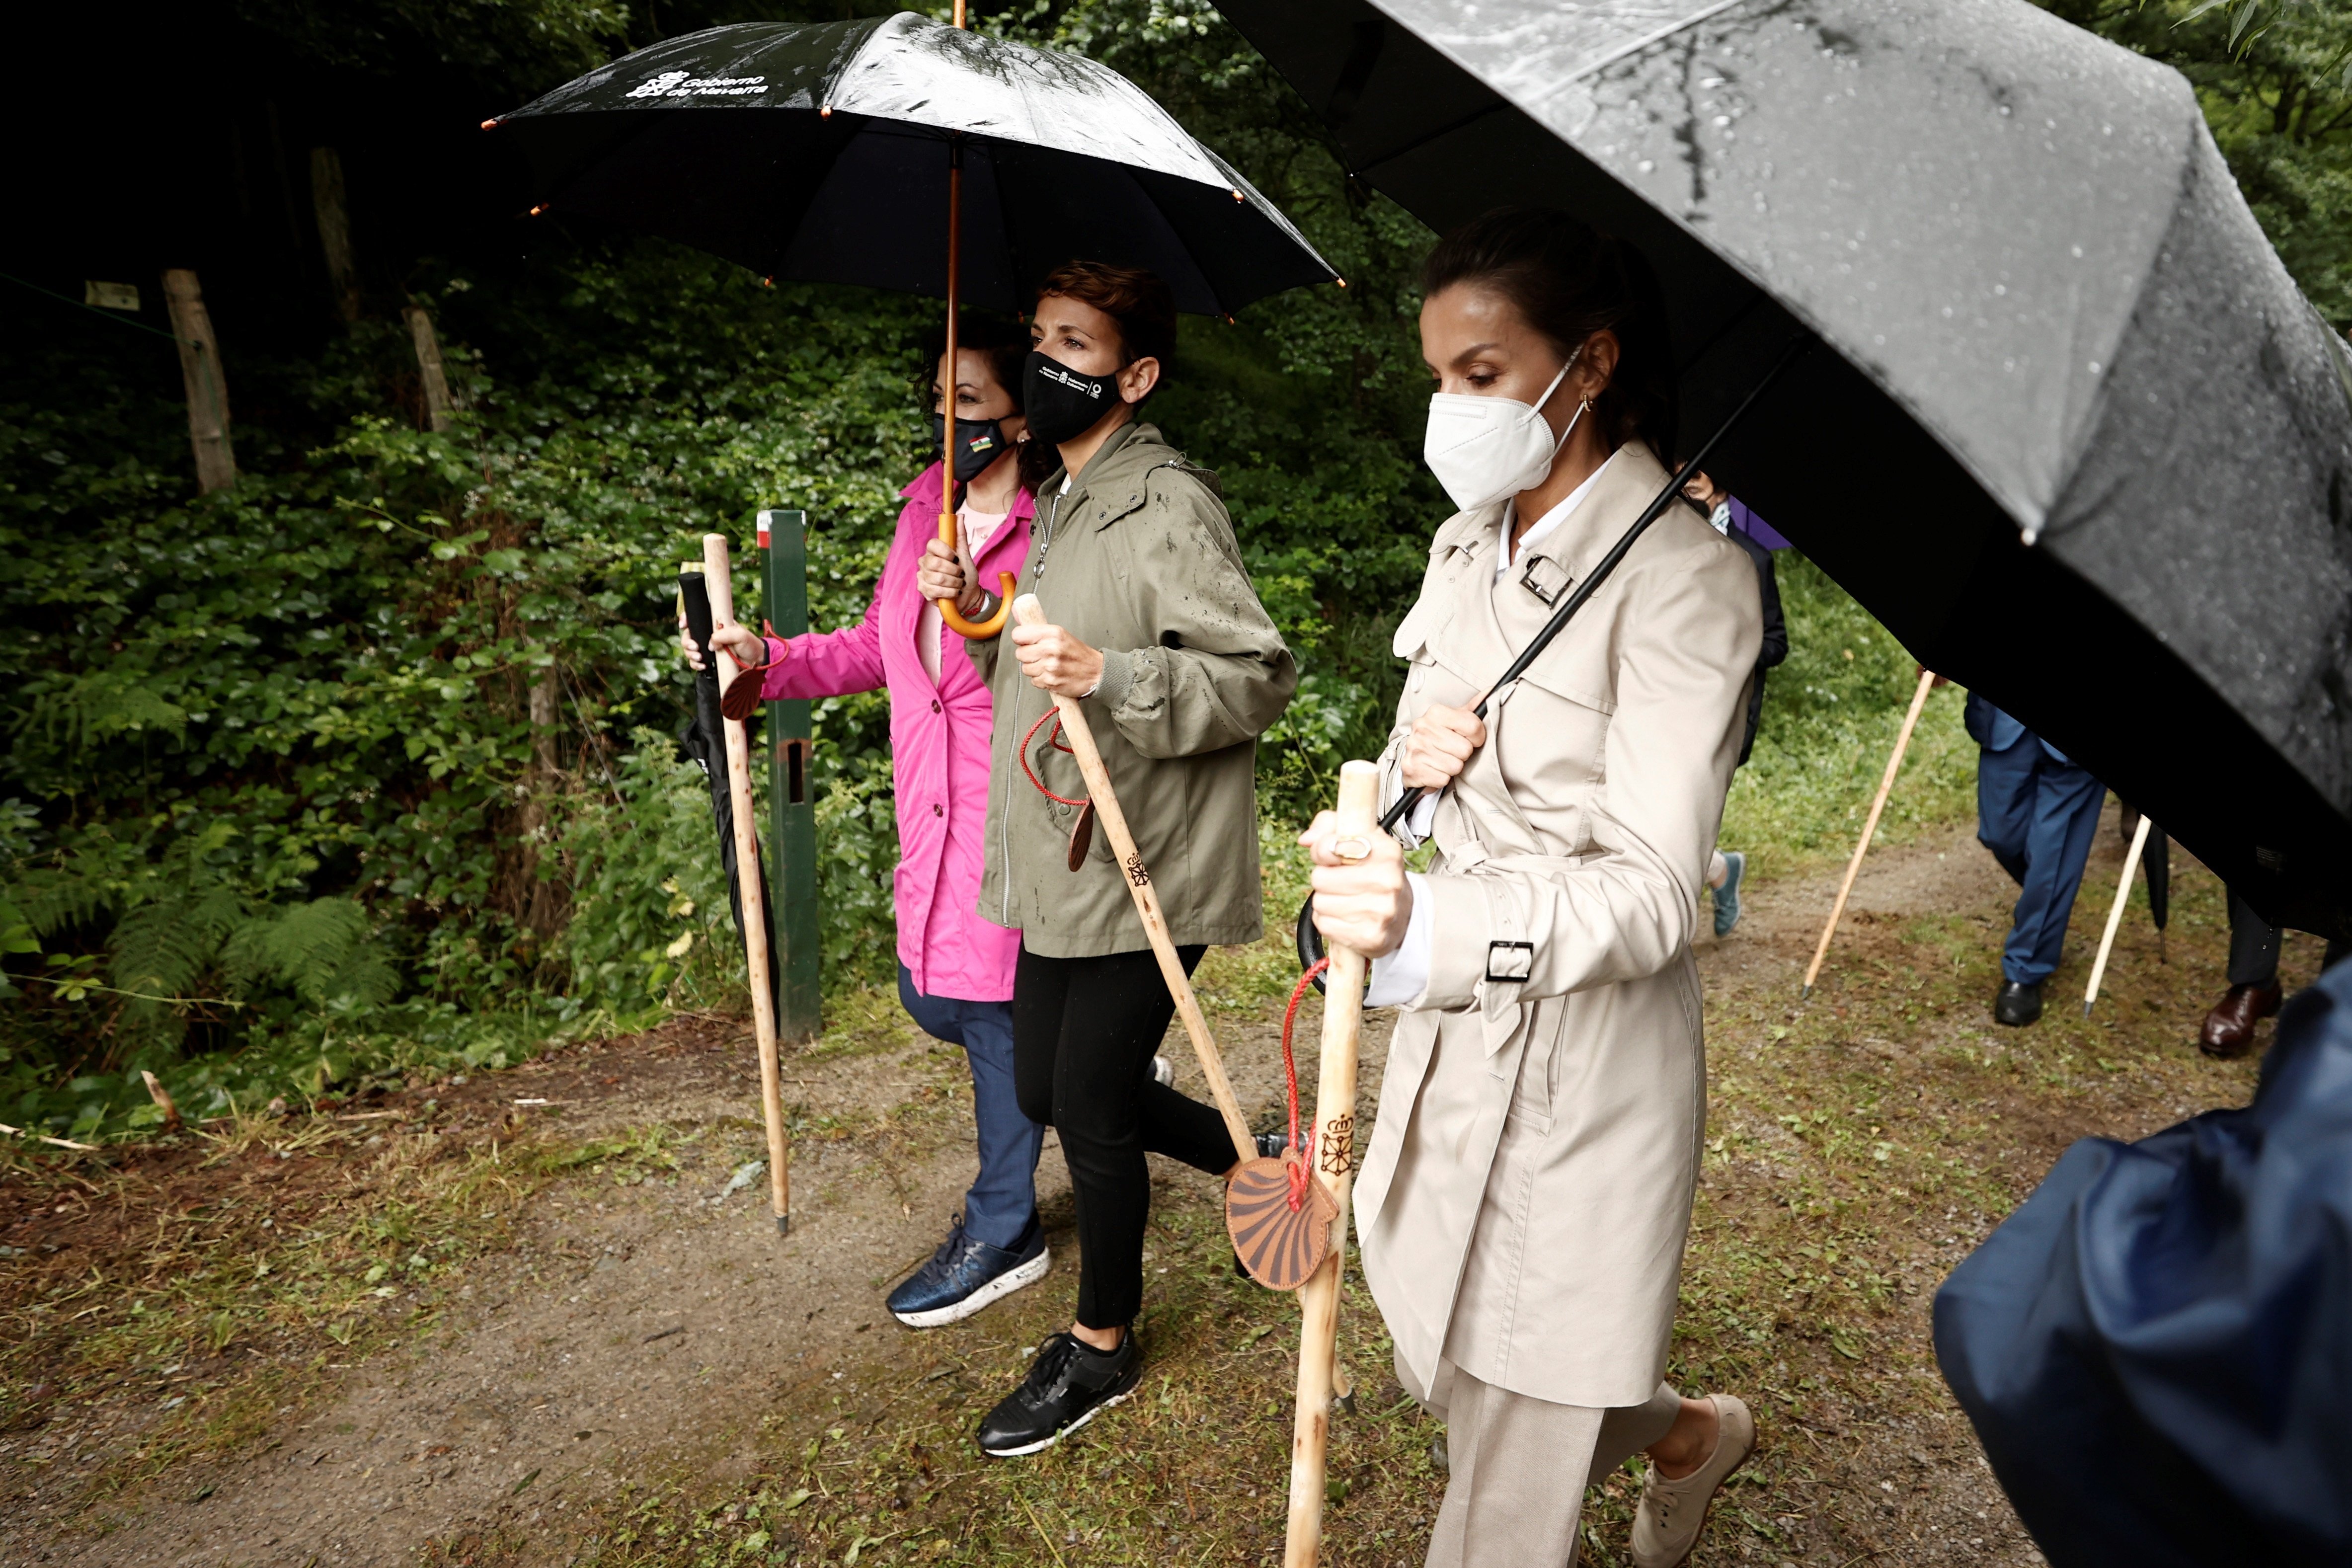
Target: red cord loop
{"type": "Point", "coordinates": [1302, 1169]}
{"type": "Point", "coordinates": [740, 702]}
{"type": "Point", "coordinates": [1058, 744]}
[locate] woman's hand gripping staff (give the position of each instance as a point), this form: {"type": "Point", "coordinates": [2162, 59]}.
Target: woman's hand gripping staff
{"type": "Point", "coordinates": [1365, 871]}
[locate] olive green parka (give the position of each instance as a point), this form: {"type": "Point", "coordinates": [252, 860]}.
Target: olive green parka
{"type": "Point", "coordinates": [1139, 561]}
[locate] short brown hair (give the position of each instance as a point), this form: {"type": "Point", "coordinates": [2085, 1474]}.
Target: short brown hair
{"type": "Point", "coordinates": [1141, 301]}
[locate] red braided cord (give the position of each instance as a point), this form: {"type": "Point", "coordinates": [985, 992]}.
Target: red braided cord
{"type": "Point", "coordinates": [1301, 1170]}
{"type": "Point", "coordinates": [1055, 740]}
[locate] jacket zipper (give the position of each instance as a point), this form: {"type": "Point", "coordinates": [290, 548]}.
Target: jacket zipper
{"type": "Point", "coordinates": [1005, 816]}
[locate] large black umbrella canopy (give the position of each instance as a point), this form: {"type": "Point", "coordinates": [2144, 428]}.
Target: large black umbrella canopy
{"type": "Point", "coordinates": [2078, 441]}
{"type": "Point", "coordinates": [821, 152]}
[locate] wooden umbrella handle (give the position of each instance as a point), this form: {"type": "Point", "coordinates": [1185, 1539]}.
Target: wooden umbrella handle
{"type": "Point", "coordinates": [1869, 826]}
{"type": "Point", "coordinates": [720, 583]}
{"type": "Point", "coordinates": [1029, 613]}
{"type": "Point", "coordinates": [980, 630]}
{"type": "Point", "coordinates": [1335, 1159]}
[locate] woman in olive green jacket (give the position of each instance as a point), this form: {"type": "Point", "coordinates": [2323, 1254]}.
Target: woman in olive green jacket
{"type": "Point", "coordinates": [1154, 625]}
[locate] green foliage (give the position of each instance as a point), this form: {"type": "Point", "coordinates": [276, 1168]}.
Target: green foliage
{"type": "Point", "coordinates": [1831, 715]}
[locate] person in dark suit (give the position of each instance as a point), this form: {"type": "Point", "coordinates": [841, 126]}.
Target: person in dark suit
{"type": "Point", "coordinates": [1756, 542]}
{"type": "Point", "coordinates": [2253, 993]}
{"type": "Point", "coordinates": [2037, 811]}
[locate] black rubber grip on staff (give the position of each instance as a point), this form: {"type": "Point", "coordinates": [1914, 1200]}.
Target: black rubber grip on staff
{"type": "Point", "coordinates": [1310, 940]}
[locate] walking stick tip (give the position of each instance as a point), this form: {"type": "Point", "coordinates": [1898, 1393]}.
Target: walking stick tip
{"type": "Point", "coordinates": [783, 1224]}
{"type": "Point", "coordinates": [1805, 994]}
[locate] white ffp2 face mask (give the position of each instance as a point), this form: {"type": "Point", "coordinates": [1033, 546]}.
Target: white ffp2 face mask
{"type": "Point", "coordinates": [1484, 448]}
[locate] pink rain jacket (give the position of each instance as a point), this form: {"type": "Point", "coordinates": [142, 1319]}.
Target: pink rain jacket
{"type": "Point", "coordinates": [938, 746]}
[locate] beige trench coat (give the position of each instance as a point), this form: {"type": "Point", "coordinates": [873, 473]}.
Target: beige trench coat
{"type": "Point", "coordinates": [1527, 1187]}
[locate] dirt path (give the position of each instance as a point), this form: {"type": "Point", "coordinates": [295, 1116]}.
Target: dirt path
{"type": "Point", "coordinates": [647, 1336]}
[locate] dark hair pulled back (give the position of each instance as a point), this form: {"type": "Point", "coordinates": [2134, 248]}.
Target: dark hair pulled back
{"type": "Point", "coordinates": [1004, 342]}
{"type": "Point", "coordinates": [1569, 281]}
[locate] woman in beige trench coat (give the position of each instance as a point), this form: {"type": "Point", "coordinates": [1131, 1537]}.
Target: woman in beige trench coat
{"type": "Point", "coordinates": [1527, 1187]}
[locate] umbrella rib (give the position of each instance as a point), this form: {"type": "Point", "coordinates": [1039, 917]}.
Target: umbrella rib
{"type": "Point", "coordinates": [1448, 129]}
{"type": "Point", "coordinates": [1622, 50]}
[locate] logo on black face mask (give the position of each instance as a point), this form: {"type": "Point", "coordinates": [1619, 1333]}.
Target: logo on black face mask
{"type": "Point", "coordinates": [1060, 402]}
{"type": "Point", "coordinates": [1049, 370]}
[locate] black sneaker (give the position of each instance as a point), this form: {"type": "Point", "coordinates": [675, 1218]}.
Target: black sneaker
{"type": "Point", "coordinates": [1068, 1385]}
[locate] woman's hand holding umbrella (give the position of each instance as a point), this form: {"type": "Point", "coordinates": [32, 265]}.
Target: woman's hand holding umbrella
{"type": "Point", "coordinates": [1440, 745]}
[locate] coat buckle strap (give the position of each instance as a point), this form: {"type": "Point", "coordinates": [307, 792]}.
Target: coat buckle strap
{"type": "Point", "coordinates": [1518, 959]}
{"type": "Point", "coordinates": [1545, 578]}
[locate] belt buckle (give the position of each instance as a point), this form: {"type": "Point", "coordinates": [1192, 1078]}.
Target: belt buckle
{"type": "Point", "coordinates": [1521, 956]}
{"type": "Point", "coordinates": [1548, 594]}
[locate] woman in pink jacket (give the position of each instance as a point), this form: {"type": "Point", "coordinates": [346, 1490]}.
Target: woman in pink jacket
{"type": "Point", "coordinates": [955, 968]}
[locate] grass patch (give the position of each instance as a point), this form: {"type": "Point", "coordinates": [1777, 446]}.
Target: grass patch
{"type": "Point", "coordinates": [1831, 715]}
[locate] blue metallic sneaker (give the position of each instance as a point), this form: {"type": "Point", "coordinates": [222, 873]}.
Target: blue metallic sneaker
{"type": "Point", "coordinates": [966, 1273]}
{"type": "Point", "coordinates": [1726, 896]}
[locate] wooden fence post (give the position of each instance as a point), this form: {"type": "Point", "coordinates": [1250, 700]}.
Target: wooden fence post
{"type": "Point", "coordinates": [200, 374]}
{"type": "Point", "coordinates": [437, 402]}
{"type": "Point", "coordinates": [791, 793]}
{"type": "Point", "coordinates": [328, 202]}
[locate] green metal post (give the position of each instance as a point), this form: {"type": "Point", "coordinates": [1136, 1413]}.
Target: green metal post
{"type": "Point", "coordinates": [792, 795]}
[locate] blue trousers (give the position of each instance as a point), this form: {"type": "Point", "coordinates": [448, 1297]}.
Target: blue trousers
{"type": "Point", "coordinates": [2037, 813]}
{"type": "Point", "coordinates": [1002, 1202]}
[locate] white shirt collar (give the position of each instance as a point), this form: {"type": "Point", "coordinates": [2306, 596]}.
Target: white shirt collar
{"type": "Point", "coordinates": [1505, 558]}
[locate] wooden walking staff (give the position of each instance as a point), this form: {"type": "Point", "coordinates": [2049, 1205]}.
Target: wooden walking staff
{"type": "Point", "coordinates": [1870, 827]}
{"type": "Point", "coordinates": [717, 575]}
{"type": "Point", "coordinates": [1029, 613]}
{"type": "Point", "coordinates": [1334, 1143]}
{"type": "Point", "coordinates": [2116, 915]}
{"type": "Point", "coordinates": [947, 612]}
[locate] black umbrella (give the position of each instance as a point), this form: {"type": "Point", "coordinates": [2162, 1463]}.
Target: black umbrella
{"type": "Point", "coordinates": [2156, 860]}
{"type": "Point", "coordinates": [831, 152]}
{"type": "Point", "coordinates": [824, 152]}
{"type": "Point", "coordinates": [2080, 444]}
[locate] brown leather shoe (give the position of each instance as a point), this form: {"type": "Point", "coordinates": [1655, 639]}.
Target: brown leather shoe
{"type": "Point", "coordinates": [2228, 1029]}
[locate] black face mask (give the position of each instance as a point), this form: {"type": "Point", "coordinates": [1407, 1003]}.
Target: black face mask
{"type": "Point", "coordinates": [977, 443]}
{"type": "Point", "coordinates": [1060, 402]}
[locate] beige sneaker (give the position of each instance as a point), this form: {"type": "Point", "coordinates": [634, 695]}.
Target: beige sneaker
{"type": "Point", "coordinates": [1666, 1525]}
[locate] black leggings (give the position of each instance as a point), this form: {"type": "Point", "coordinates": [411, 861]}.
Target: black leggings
{"type": "Point", "coordinates": [1084, 1033]}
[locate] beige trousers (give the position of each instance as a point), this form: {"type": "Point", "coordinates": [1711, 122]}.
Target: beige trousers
{"type": "Point", "coordinates": [1509, 1454]}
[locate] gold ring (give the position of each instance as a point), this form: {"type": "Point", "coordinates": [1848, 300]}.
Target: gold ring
{"type": "Point", "coordinates": [1352, 849]}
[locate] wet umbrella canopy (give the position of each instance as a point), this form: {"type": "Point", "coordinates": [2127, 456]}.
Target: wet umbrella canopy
{"type": "Point", "coordinates": [819, 153]}
{"type": "Point", "coordinates": [2080, 444]}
